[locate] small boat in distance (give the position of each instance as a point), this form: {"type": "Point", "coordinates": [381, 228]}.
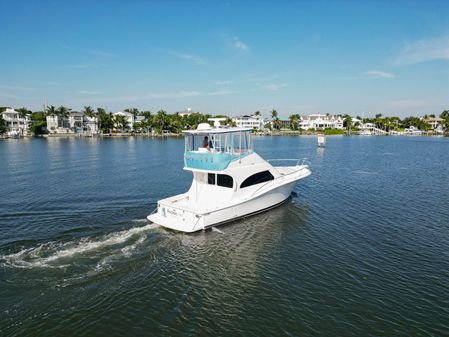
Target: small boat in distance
{"type": "Point", "coordinates": [321, 138]}
{"type": "Point", "coordinates": [230, 181]}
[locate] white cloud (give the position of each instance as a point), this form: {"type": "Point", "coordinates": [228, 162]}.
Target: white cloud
{"type": "Point", "coordinates": [379, 74]}
{"type": "Point", "coordinates": [165, 95]}
{"type": "Point", "coordinates": [238, 44]}
{"type": "Point", "coordinates": [7, 96]}
{"type": "Point", "coordinates": [274, 87]}
{"type": "Point", "coordinates": [420, 104]}
{"type": "Point", "coordinates": [424, 50]}
{"type": "Point", "coordinates": [220, 82]}
{"type": "Point", "coordinates": [88, 92]}
{"type": "Point", "coordinates": [185, 93]}
{"type": "Point", "coordinates": [192, 58]}
{"type": "Point", "coordinates": [16, 87]}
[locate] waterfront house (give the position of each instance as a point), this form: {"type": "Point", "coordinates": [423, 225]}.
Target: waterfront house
{"type": "Point", "coordinates": [435, 123]}
{"type": "Point", "coordinates": [247, 121]}
{"type": "Point", "coordinates": [130, 120]}
{"type": "Point", "coordinates": [90, 124]}
{"type": "Point", "coordinates": [185, 113]}
{"type": "Point", "coordinates": [15, 123]}
{"type": "Point", "coordinates": [321, 122]}
{"type": "Point", "coordinates": [76, 122]}
{"type": "Point", "coordinates": [57, 124]}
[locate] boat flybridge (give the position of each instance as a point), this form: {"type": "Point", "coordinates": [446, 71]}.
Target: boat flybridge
{"type": "Point", "coordinates": [230, 181]}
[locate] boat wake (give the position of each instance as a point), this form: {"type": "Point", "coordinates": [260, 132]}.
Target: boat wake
{"type": "Point", "coordinates": [55, 254]}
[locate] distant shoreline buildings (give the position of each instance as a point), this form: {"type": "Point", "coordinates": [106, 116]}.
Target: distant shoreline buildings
{"type": "Point", "coordinates": [18, 123]}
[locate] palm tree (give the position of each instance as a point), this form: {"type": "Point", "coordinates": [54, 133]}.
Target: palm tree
{"type": "Point", "coordinates": [102, 115]}
{"type": "Point", "coordinates": [257, 113]}
{"type": "Point", "coordinates": [88, 111]}
{"type": "Point", "coordinates": [3, 128]}
{"type": "Point", "coordinates": [51, 110]}
{"type": "Point", "coordinates": [444, 114]}
{"type": "Point", "coordinates": [62, 112]}
{"type": "Point", "coordinates": [347, 122]}
{"type": "Point", "coordinates": [121, 121]}
{"type": "Point", "coordinates": [133, 111]}
{"type": "Point", "coordinates": [379, 121]}
{"type": "Point", "coordinates": [23, 112]}
{"type": "Point", "coordinates": [160, 120]}
{"type": "Point", "coordinates": [445, 124]}
{"type": "Point", "coordinates": [275, 119]}
{"type": "Point", "coordinates": [294, 121]}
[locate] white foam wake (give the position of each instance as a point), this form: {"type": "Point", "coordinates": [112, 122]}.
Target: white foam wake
{"type": "Point", "coordinates": [47, 254]}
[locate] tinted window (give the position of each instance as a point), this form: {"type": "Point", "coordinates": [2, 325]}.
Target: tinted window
{"type": "Point", "coordinates": [257, 178]}
{"type": "Point", "coordinates": [225, 180]}
{"type": "Point", "coordinates": [211, 178]}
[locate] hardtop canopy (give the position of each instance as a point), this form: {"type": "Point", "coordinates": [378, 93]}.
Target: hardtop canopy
{"type": "Point", "coordinates": [216, 130]}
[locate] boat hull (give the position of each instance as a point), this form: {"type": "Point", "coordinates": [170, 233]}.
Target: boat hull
{"type": "Point", "coordinates": [191, 222]}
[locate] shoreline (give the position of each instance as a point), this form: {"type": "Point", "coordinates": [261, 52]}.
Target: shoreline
{"type": "Point", "coordinates": [177, 135]}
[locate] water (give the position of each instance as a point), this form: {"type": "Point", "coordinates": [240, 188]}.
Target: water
{"type": "Point", "coordinates": [362, 248]}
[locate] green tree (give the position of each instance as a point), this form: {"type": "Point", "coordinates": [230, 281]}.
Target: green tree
{"type": "Point", "coordinates": [257, 113]}
{"type": "Point", "coordinates": [38, 122]}
{"type": "Point", "coordinates": [444, 114]}
{"type": "Point", "coordinates": [23, 112]}
{"type": "Point", "coordinates": [347, 122]}
{"type": "Point", "coordinates": [88, 111]}
{"type": "Point", "coordinates": [121, 122]}
{"type": "Point", "coordinates": [160, 121]}
{"type": "Point", "coordinates": [106, 122]}
{"type": "Point", "coordinates": [62, 112]}
{"type": "Point", "coordinates": [294, 121]}
{"type": "Point", "coordinates": [147, 123]}
{"type": "Point", "coordinates": [445, 124]}
{"type": "Point", "coordinates": [51, 110]}
{"type": "Point", "coordinates": [133, 111]}
{"type": "Point", "coordinates": [103, 117]}
{"type": "Point", "coordinates": [275, 119]}
{"type": "Point", "coordinates": [3, 128]}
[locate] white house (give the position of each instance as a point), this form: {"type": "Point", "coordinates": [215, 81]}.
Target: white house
{"type": "Point", "coordinates": [57, 124]}
{"type": "Point", "coordinates": [253, 122]}
{"type": "Point", "coordinates": [76, 122]}
{"type": "Point", "coordinates": [131, 119]}
{"type": "Point", "coordinates": [320, 121]}
{"type": "Point", "coordinates": [15, 123]}
{"type": "Point", "coordinates": [434, 122]}
{"type": "Point", "coordinates": [90, 124]}
{"type": "Point", "coordinates": [185, 112]}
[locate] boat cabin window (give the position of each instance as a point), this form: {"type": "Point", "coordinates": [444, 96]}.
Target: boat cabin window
{"type": "Point", "coordinates": [211, 178]}
{"type": "Point", "coordinates": [257, 178]}
{"type": "Point", "coordinates": [225, 180]}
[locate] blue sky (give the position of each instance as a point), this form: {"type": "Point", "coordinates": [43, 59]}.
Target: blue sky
{"type": "Point", "coordinates": [233, 57]}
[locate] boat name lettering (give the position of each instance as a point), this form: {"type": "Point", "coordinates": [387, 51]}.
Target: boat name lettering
{"type": "Point", "coordinates": [172, 212]}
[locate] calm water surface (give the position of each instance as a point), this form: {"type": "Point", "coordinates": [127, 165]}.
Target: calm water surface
{"type": "Point", "coordinates": [362, 248]}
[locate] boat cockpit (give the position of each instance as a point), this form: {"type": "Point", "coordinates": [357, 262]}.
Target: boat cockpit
{"type": "Point", "coordinates": [213, 149]}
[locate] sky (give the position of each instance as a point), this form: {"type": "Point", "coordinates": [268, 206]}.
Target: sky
{"type": "Point", "coordinates": [227, 57]}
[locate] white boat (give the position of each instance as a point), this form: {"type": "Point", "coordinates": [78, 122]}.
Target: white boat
{"type": "Point", "coordinates": [14, 133]}
{"type": "Point", "coordinates": [365, 133]}
{"type": "Point", "coordinates": [230, 181]}
{"type": "Point", "coordinates": [321, 140]}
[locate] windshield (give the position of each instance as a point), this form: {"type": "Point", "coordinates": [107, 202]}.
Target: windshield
{"type": "Point", "coordinates": [231, 142]}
